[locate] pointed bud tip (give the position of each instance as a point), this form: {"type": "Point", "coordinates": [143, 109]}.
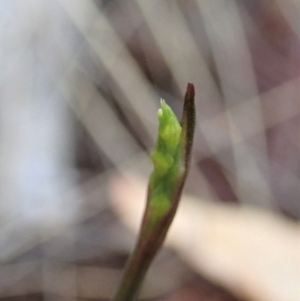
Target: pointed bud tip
{"type": "Point", "coordinates": [190, 91]}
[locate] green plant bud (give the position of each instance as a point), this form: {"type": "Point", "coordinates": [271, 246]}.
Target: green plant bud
{"type": "Point", "coordinates": [162, 162]}
{"type": "Point", "coordinates": [169, 129]}
{"type": "Point", "coordinates": [166, 160]}
{"type": "Point", "coordinates": [171, 159]}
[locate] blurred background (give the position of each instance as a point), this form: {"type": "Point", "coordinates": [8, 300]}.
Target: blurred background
{"type": "Point", "coordinates": [80, 87]}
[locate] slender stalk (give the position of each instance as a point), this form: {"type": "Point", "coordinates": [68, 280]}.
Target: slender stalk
{"type": "Point", "coordinates": [171, 159]}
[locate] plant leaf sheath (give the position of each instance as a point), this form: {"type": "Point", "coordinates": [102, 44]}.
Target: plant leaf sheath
{"type": "Point", "coordinates": [171, 159]}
